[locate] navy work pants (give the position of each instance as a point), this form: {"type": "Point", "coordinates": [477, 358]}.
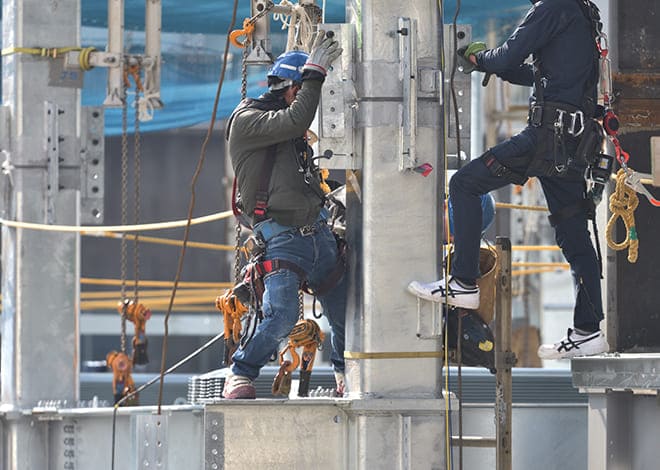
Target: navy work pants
{"type": "Point", "coordinates": [571, 234]}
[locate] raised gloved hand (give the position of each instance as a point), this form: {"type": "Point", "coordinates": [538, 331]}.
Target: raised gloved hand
{"type": "Point", "coordinates": [325, 49]}
{"type": "Point", "coordinates": [463, 54]}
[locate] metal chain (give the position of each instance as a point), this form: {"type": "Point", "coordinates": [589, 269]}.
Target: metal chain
{"type": "Point", "coordinates": [301, 305]}
{"type": "Point", "coordinates": [244, 69]}
{"type": "Point", "coordinates": [124, 209]}
{"type": "Point", "coordinates": [137, 144]}
{"type": "Point", "coordinates": [237, 248]}
{"type": "Point", "coordinates": [237, 254]}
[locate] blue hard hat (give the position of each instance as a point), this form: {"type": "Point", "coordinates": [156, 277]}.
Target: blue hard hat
{"type": "Point", "coordinates": [288, 66]}
{"type": "Point", "coordinates": [487, 211]}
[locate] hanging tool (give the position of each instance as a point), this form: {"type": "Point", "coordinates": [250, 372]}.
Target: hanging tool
{"type": "Point", "coordinates": [138, 314]}
{"type": "Point", "coordinates": [122, 381]}
{"type": "Point", "coordinates": [306, 334]}
{"type": "Point", "coordinates": [232, 311]}
{"type": "Point", "coordinates": [633, 180]}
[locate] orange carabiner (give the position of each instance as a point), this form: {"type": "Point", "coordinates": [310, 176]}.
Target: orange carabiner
{"type": "Point", "coordinates": [248, 29]}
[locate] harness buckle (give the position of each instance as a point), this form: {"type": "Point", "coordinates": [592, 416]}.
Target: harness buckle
{"type": "Point", "coordinates": [576, 117]}
{"type": "Point", "coordinates": [306, 230]}
{"type": "Point", "coordinates": [536, 115]}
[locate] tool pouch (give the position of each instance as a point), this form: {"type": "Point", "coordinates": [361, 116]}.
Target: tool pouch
{"type": "Point", "coordinates": [590, 143]}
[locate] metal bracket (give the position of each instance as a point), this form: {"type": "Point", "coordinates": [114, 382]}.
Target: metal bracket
{"type": "Point", "coordinates": [337, 110]}
{"type": "Point", "coordinates": [429, 324]}
{"type": "Point", "coordinates": [151, 441]}
{"type": "Point", "coordinates": [52, 148]}
{"type": "Point", "coordinates": [261, 51]}
{"type": "Point", "coordinates": [462, 83]}
{"type": "Point", "coordinates": [408, 76]}
{"type": "Point", "coordinates": [92, 156]}
{"type": "Point", "coordinates": [96, 59]}
{"type": "Point", "coordinates": [214, 446]}
{"type": "Point", "coordinates": [59, 75]}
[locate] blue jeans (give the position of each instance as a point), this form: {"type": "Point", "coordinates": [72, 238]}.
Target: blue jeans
{"type": "Point", "coordinates": [571, 234]}
{"type": "Point", "coordinates": [316, 254]}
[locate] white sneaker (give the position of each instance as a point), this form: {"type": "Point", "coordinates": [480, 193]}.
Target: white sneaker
{"type": "Point", "coordinates": [340, 380]}
{"type": "Point", "coordinates": [238, 387]}
{"type": "Point", "coordinates": [575, 344]}
{"type": "Point", "coordinates": [458, 294]}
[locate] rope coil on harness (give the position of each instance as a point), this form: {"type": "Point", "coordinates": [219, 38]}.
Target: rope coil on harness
{"type": "Point", "coordinates": [623, 203]}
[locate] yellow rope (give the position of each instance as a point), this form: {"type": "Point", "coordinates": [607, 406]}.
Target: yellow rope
{"type": "Point", "coordinates": [89, 229]}
{"type": "Point", "coordinates": [146, 294]}
{"type": "Point", "coordinates": [535, 248]}
{"type": "Point", "coordinates": [118, 282]}
{"type": "Point", "coordinates": [53, 53]}
{"type": "Point", "coordinates": [161, 241]}
{"type": "Point", "coordinates": [527, 272]}
{"type": "Point", "coordinates": [539, 264]}
{"type": "Point", "coordinates": [504, 205]}
{"type": "Point", "coordinates": [623, 203]}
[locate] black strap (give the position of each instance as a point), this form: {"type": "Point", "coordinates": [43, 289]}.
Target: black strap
{"type": "Point", "coordinates": [261, 194]}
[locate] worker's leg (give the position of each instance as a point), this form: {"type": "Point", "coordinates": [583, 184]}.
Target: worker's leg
{"type": "Point", "coordinates": [502, 165]}
{"type": "Point", "coordinates": [574, 239]}
{"type": "Point", "coordinates": [334, 301]}
{"type": "Point", "coordinates": [280, 311]}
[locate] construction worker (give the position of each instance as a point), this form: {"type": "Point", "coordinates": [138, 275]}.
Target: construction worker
{"type": "Point", "coordinates": [559, 34]}
{"type": "Point", "coordinates": [280, 191]}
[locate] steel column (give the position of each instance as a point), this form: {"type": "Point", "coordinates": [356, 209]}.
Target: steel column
{"type": "Point", "coordinates": [40, 270]}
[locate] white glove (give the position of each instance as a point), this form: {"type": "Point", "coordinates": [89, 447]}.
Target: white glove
{"type": "Point", "coordinates": [323, 53]}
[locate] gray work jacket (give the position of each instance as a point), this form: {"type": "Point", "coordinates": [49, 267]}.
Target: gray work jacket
{"type": "Point", "coordinates": [291, 201]}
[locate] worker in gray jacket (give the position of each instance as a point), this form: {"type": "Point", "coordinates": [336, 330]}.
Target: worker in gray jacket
{"type": "Point", "coordinates": [280, 193]}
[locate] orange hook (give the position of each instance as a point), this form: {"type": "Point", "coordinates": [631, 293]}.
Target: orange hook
{"type": "Point", "coordinates": [248, 29]}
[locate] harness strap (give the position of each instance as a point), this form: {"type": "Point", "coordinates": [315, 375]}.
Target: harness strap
{"type": "Point", "coordinates": [261, 194]}
{"type": "Point", "coordinates": [268, 266]}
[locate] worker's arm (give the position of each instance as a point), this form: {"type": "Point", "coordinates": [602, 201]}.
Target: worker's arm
{"type": "Point", "coordinates": [542, 23]}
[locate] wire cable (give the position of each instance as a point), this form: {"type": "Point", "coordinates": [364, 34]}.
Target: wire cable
{"type": "Point", "coordinates": [192, 199]}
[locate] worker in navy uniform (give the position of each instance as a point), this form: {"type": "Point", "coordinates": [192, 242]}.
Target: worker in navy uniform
{"type": "Point", "coordinates": [559, 35]}
{"type": "Point", "coordinates": [287, 213]}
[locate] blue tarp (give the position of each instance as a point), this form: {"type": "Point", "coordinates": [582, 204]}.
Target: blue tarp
{"type": "Point", "coordinates": [193, 44]}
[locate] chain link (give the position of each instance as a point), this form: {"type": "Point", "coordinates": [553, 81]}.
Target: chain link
{"type": "Point", "coordinates": [137, 144]}
{"type": "Point", "coordinates": [237, 248]}
{"type": "Point", "coordinates": [244, 69]}
{"type": "Point", "coordinates": [124, 210]}
{"type": "Point", "coordinates": [301, 305]}
{"type": "Point", "coordinates": [237, 254]}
